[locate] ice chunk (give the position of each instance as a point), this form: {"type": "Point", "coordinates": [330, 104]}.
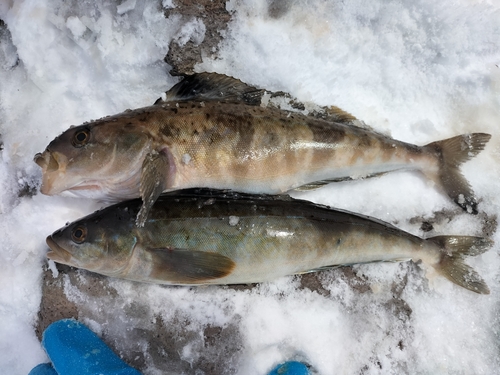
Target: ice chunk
{"type": "Point", "coordinates": [126, 6]}
{"type": "Point", "coordinates": [76, 26]}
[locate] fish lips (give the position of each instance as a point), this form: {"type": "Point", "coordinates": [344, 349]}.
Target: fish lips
{"type": "Point", "coordinates": [40, 159]}
{"type": "Point", "coordinates": [57, 253]}
{"type": "Point", "coordinates": [54, 178]}
{"type": "Point", "coordinates": [47, 161]}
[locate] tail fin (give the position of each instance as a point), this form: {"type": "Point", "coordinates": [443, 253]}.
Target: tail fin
{"type": "Point", "coordinates": [452, 153]}
{"type": "Point", "coordinates": [452, 266]}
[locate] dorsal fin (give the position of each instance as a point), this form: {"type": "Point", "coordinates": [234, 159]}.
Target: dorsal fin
{"type": "Point", "coordinates": [220, 87]}
{"type": "Point", "coordinates": [333, 114]}
{"type": "Point", "coordinates": [213, 86]}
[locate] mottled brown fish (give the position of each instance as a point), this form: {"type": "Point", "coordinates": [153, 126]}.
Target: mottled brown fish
{"type": "Point", "coordinates": [215, 131]}
{"type": "Point", "coordinates": [201, 237]}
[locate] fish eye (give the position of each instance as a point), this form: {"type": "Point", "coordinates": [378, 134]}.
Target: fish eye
{"type": "Point", "coordinates": [78, 234]}
{"type": "Point", "coordinates": [81, 137]}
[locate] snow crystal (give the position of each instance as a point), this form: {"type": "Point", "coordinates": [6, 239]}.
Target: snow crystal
{"type": "Point", "coordinates": [234, 220]}
{"type": "Point", "coordinates": [186, 158]}
{"type": "Point", "coordinates": [76, 26]}
{"type": "Point", "coordinates": [193, 30]}
{"type": "Point", "coordinates": [125, 7]}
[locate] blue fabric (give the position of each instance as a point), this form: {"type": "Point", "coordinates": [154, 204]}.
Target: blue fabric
{"type": "Point", "coordinates": [76, 350]}
{"type": "Point", "coordinates": [290, 368]}
{"type": "Point", "coordinates": [43, 369]}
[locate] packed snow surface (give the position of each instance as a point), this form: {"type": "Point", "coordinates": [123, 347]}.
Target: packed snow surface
{"type": "Point", "coordinates": [417, 70]}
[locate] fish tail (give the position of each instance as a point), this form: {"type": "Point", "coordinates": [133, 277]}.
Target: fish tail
{"type": "Point", "coordinates": [451, 264]}
{"type": "Point", "coordinates": [452, 152]}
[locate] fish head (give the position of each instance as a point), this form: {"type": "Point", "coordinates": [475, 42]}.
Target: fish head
{"type": "Point", "coordinates": [96, 243]}
{"type": "Point", "coordinates": [85, 159]}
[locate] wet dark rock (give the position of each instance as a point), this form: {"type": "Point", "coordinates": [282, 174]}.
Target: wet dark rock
{"type": "Point", "coordinates": [27, 189]}
{"type": "Point", "coordinates": [489, 222]}
{"type": "Point", "coordinates": [215, 17]}
{"type": "Point", "coordinates": [54, 305]}
{"type": "Point", "coordinates": [310, 281]}
{"type": "Point", "coordinates": [278, 8]}
{"type": "Point", "coordinates": [426, 226]}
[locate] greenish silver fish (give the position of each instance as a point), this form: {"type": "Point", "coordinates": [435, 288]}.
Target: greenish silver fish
{"type": "Point", "coordinates": [199, 237]}
{"type": "Point", "coordinates": [215, 131]}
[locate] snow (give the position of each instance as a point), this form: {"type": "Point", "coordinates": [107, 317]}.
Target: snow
{"type": "Point", "coordinates": [194, 31]}
{"type": "Point", "coordinates": [417, 70]}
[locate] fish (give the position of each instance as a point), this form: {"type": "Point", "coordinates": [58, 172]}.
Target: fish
{"type": "Point", "coordinates": [217, 237]}
{"type": "Point", "coordinates": [214, 131]}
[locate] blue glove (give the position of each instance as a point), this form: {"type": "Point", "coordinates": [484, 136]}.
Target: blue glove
{"type": "Point", "coordinates": [76, 350]}
{"type": "Point", "coordinates": [290, 368]}
{"type": "Point", "coordinates": [43, 369]}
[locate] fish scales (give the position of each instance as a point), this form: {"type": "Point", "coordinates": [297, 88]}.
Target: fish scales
{"type": "Point", "coordinates": [199, 237]}
{"type": "Point", "coordinates": [235, 143]}
{"type": "Point", "coordinates": [212, 131]}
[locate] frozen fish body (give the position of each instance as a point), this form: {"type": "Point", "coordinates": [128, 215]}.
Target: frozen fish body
{"type": "Point", "coordinates": [214, 131]}
{"type": "Point", "coordinates": [199, 237]}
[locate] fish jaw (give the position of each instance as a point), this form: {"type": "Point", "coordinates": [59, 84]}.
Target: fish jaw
{"type": "Point", "coordinates": [57, 180]}
{"type": "Point", "coordinates": [53, 166]}
{"type": "Point", "coordinates": [40, 159]}
{"type": "Point", "coordinates": [57, 253]}
{"type": "Point", "coordinates": [63, 250]}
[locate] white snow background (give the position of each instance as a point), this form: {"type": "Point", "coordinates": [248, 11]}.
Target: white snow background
{"type": "Point", "coordinates": [418, 70]}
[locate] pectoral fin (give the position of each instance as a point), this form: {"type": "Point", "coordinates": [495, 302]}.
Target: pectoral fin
{"type": "Point", "coordinates": [183, 266]}
{"type": "Point", "coordinates": [154, 175]}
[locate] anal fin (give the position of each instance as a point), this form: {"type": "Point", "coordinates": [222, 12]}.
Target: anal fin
{"type": "Point", "coordinates": [318, 184]}
{"type": "Point", "coordinates": [334, 266]}
{"type": "Point", "coordinates": [312, 186]}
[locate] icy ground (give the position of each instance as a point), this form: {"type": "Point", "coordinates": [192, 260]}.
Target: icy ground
{"type": "Point", "coordinates": [419, 70]}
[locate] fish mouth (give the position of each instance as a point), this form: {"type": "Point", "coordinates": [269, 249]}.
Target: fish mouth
{"type": "Point", "coordinates": [39, 159]}
{"type": "Point", "coordinates": [47, 161]}
{"type": "Point", "coordinates": [53, 166]}
{"type": "Point", "coordinates": [57, 253]}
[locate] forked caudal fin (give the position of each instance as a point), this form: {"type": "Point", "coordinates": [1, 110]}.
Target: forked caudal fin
{"type": "Point", "coordinates": [452, 153]}
{"type": "Point", "coordinates": [452, 266]}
